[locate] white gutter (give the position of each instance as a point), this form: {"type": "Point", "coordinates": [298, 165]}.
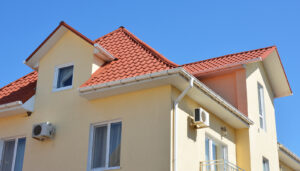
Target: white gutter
{"type": "Point", "coordinates": [100, 52]}
{"type": "Point", "coordinates": [179, 98]}
{"type": "Point", "coordinates": [91, 90]}
{"type": "Point", "coordinates": [219, 99]}
{"type": "Point", "coordinates": [288, 157]}
{"type": "Point", "coordinates": [17, 107]}
{"type": "Point", "coordinates": [10, 105]}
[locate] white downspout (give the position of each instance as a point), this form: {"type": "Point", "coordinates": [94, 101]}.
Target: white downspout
{"type": "Point", "coordinates": [175, 122]}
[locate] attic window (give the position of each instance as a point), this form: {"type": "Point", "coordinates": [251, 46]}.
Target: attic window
{"type": "Point", "coordinates": [63, 78]}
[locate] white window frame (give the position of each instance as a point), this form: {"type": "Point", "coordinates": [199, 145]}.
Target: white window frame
{"type": "Point", "coordinates": [90, 153]}
{"type": "Point", "coordinates": [15, 149]}
{"type": "Point", "coordinates": [223, 150]}
{"type": "Point", "coordinates": [261, 103]}
{"type": "Point", "coordinates": [263, 162]}
{"type": "Point", "coordinates": [56, 73]}
{"type": "Point", "coordinates": [223, 146]}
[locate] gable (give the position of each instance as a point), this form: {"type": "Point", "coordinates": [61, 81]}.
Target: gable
{"type": "Point", "coordinates": [33, 60]}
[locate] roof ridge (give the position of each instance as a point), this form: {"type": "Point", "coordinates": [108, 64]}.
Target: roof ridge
{"type": "Point", "coordinates": [142, 44]}
{"type": "Point", "coordinates": [228, 55]}
{"type": "Point", "coordinates": [149, 48]}
{"type": "Point", "coordinates": [17, 80]}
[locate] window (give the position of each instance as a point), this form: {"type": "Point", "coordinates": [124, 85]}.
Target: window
{"type": "Point", "coordinates": [105, 146]}
{"type": "Point", "coordinates": [266, 164]}
{"type": "Point", "coordinates": [63, 78]}
{"type": "Point", "coordinates": [261, 103]}
{"type": "Point", "coordinates": [214, 151]}
{"type": "Point", "coordinates": [12, 154]}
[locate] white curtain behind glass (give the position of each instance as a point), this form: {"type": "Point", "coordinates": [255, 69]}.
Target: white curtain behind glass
{"type": "Point", "coordinates": [99, 147]}
{"type": "Point", "coordinates": [115, 144]}
{"type": "Point", "coordinates": [65, 77]}
{"type": "Point", "coordinates": [8, 154]}
{"type": "Point", "coordinates": [20, 154]}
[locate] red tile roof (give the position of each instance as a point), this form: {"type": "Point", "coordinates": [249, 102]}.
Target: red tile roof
{"type": "Point", "coordinates": [225, 61]}
{"type": "Point", "coordinates": [19, 90]}
{"type": "Point", "coordinates": [134, 58]}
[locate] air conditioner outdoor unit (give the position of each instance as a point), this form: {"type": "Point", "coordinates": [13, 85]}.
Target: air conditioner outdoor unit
{"type": "Point", "coordinates": [43, 131]}
{"type": "Point", "coordinates": [201, 118]}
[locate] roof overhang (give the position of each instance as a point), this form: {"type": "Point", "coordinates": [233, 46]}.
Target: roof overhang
{"type": "Point", "coordinates": [33, 60]}
{"type": "Point", "coordinates": [287, 157]}
{"type": "Point", "coordinates": [179, 78]}
{"type": "Point", "coordinates": [17, 107]}
{"type": "Point", "coordinates": [103, 54]}
{"type": "Point", "coordinates": [276, 74]}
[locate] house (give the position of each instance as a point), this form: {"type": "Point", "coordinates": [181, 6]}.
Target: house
{"type": "Point", "coordinates": [117, 104]}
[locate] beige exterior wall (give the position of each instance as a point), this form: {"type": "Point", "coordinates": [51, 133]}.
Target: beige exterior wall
{"type": "Point", "coordinates": [145, 117]}
{"type": "Point", "coordinates": [262, 143]}
{"type": "Point", "coordinates": [191, 142]}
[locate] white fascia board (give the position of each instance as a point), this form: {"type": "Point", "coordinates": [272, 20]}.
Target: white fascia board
{"type": "Point", "coordinates": [17, 107]}
{"type": "Point", "coordinates": [44, 49]}
{"type": "Point", "coordinates": [29, 104]}
{"type": "Point", "coordinates": [179, 78]}
{"type": "Point", "coordinates": [103, 54]}
{"type": "Point", "coordinates": [276, 74]}
{"type": "Point", "coordinates": [288, 157]}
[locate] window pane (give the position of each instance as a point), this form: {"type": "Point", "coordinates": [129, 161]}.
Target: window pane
{"type": "Point", "coordinates": [8, 153]}
{"type": "Point", "coordinates": [115, 144]}
{"type": "Point", "coordinates": [99, 147]}
{"type": "Point", "coordinates": [65, 76]}
{"type": "Point", "coordinates": [20, 154]}
{"type": "Point", "coordinates": [265, 164]}
{"type": "Point", "coordinates": [261, 121]}
{"type": "Point", "coordinates": [260, 99]}
{"type": "Point", "coordinates": [207, 157]}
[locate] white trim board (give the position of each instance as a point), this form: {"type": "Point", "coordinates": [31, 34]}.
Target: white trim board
{"type": "Point", "coordinates": [17, 107]}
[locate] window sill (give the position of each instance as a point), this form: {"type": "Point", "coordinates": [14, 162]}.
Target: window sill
{"type": "Point", "coordinates": [62, 88]}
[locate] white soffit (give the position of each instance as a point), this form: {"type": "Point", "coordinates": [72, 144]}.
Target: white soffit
{"type": "Point", "coordinates": [276, 75]}
{"type": "Point", "coordinates": [44, 49]}
{"type": "Point", "coordinates": [178, 78]}
{"type": "Point", "coordinates": [288, 157]}
{"type": "Point", "coordinates": [17, 107]}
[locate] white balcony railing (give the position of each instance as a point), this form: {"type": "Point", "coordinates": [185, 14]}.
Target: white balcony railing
{"type": "Point", "coordinates": [219, 165]}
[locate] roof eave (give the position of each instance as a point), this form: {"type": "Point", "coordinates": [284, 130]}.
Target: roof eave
{"type": "Point", "coordinates": [177, 77]}
{"type": "Point", "coordinates": [276, 74]}
{"type": "Point", "coordinates": [16, 107]}
{"type": "Point", "coordinates": [33, 60]}
{"type": "Point", "coordinates": [288, 157]}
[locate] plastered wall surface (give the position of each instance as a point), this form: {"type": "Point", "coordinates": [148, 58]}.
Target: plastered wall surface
{"type": "Point", "coordinates": [145, 117]}
{"type": "Point", "coordinates": [191, 142]}
{"type": "Point", "coordinates": [262, 143]}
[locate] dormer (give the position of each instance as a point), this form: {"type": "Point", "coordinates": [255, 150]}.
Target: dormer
{"type": "Point", "coordinates": [62, 62]}
{"type": "Point", "coordinates": [100, 54]}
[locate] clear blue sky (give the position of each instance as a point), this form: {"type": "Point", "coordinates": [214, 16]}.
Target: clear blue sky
{"type": "Point", "coordinates": [183, 31]}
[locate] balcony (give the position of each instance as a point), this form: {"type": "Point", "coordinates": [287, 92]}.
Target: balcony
{"type": "Point", "coordinates": [219, 165]}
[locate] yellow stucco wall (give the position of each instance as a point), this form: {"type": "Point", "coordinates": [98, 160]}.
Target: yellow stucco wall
{"type": "Point", "coordinates": [262, 143]}
{"type": "Point", "coordinates": [191, 142]}
{"type": "Point", "coordinates": [145, 118]}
